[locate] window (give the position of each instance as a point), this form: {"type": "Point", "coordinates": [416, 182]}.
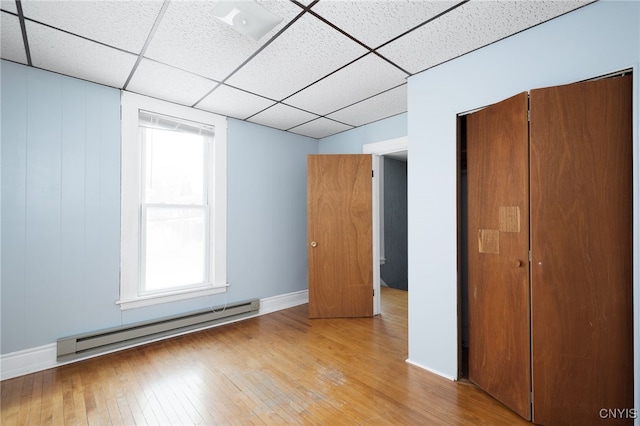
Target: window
{"type": "Point", "coordinates": [174, 231]}
{"type": "Point", "coordinates": [173, 202]}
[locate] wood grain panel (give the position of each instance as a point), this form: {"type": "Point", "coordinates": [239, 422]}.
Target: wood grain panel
{"type": "Point", "coordinates": [340, 227]}
{"type": "Point", "coordinates": [581, 190]}
{"type": "Point", "coordinates": [497, 167]}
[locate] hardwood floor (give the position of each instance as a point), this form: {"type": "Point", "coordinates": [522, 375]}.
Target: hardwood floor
{"type": "Point", "coordinates": [280, 368]}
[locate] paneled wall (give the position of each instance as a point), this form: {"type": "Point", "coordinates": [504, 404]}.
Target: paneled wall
{"type": "Point", "coordinates": [267, 220]}
{"type": "Point", "coordinates": [60, 241]}
{"type": "Point", "coordinates": [60, 206]}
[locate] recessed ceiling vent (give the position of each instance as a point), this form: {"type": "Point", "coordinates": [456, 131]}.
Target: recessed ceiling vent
{"type": "Point", "coordinates": [246, 17]}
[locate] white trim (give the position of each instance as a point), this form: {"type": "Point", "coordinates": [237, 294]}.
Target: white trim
{"type": "Point", "coordinates": [27, 361]}
{"type": "Point", "coordinates": [430, 370]}
{"type": "Point", "coordinates": [283, 301]}
{"type": "Point", "coordinates": [131, 104]}
{"type": "Point", "coordinates": [377, 239]}
{"type": "Point", "coordinates": [377, 150]}
{"type": "Point", "coordinates": [387, 147]}
{"type": "Point", "coordinates": [154, 299]}
{"type": "Point", "coordinates": [379, 160]}
{"type": "Point", "coordinates": [40, 358]}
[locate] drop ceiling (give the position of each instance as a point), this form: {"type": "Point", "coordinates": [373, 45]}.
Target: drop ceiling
{"type": "Point", "coordinates": [329, 66]}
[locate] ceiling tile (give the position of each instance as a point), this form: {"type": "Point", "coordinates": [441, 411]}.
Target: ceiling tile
{"type": "Point", "coordinates": [189, 37]}
{"type": "Point", "coordinates": [387, 104]}
{"type": "Point", "coordinates": [168, 83]}
{"type": "Point", "coordinates": [362, 79]}
{"type": "Point", "coordinates": [320, 128]}
{"type": "Point", "coordinates": [469, 27]}
{"type": "Point", "coordinates": [282, 117]}
{"type": "Point", "coordinates": [232, 102]}
{"type": "Point", "coordinates": [309, 70]}
{"type": "Point", "coordinates": [306, 52]}
{"type": "Point", "coordinates": [70, 55]}
{"type": "Point", "coordinates": [11, 44]}
{"type": "Point", "coordinates": [121, 24]}
{"type": "Point", "coordinates": [375, 22]}
{"type": "Point", "coordinates": [9, 5]}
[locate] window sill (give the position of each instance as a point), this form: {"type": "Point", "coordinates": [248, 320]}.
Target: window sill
{"type": "Point", "coordinates": [155, 299]}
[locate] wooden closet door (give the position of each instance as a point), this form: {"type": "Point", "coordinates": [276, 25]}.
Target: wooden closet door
{"type": "Point", "coordinates": [581, 232]}
{"type": "Point", "coordinates": [498, 229]}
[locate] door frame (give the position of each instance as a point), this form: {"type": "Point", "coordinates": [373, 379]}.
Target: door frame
{"type": "Point", "coordinates": [378, 150]}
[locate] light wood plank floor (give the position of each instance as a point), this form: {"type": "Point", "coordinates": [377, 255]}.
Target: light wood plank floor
{"type": "Point", "coordinates": [280, 368]}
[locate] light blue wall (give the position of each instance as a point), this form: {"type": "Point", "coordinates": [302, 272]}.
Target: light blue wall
{"type": "Point", "coordinates": [595, 40]}
{"type": "Point", "coordinates": [60, 206]}
{"type": "Point", "coordinates": [351, 141]}
{"type": "Point", "coordinates": [267, 216]}
{"type": "Point", "coordinates": [60, 241]}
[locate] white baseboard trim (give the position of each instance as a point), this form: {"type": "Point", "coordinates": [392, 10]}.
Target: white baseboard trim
{"type": "Point", "coordinates": [431, 370]}
{"type": "Point", "coordinates": [27, 361]}
{"type": "Point", "coordinates": [283, 301]}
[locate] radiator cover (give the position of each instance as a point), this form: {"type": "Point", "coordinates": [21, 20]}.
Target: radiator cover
{"type": "Point", "coordinates": [108, 340]}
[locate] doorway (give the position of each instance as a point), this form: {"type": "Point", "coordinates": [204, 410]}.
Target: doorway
{"type": "Point", "coordinates": [393, 150]}
{"type": "Point", "coordinates": [393, 221]}
{"type": "Point", "coordinates": [462, 238]}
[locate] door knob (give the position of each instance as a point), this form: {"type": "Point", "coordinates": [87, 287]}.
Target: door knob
{"type": "Point", "coordinates": [518, 263]}
{"type": "Point", "coordinates": [314, 244]}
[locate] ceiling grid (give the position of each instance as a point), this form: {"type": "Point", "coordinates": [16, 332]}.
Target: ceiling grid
{"type": "Point", "coordinates": [327, 67]}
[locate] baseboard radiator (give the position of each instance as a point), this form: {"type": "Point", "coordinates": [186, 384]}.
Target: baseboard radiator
{"type": "Point", "coordinates": [108, 340]}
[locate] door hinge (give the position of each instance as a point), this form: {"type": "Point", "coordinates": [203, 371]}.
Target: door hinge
{"type": "Point", "coordinates": [529, 115]}
{"type": "Point", "coordinates": [530, 257]}
{"type": "Point", "coordinates": [371, 173]}
{"type": "Point", "coordinates": [374, 292]}
{"type": "Point", "coordinates": [531, 397]}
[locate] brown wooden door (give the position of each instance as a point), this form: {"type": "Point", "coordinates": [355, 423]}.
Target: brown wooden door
{"type": "Point", "coordinates": [581, 223]}
{"type": "Point", "coordinates": [498, 229]}
{"type": "Point", "coordinates": [340, 236]}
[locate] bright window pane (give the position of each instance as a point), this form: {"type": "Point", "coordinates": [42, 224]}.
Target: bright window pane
{"type": "Point", "coordinates": [174, 167]}
{"type": "Point", "coordinates": [175, 248]}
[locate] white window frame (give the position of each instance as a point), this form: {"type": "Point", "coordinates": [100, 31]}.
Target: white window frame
{"type": "Point", "coordinates": [130, 208]}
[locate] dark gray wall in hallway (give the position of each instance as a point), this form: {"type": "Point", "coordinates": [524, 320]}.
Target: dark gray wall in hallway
{"type": "Point", "coordinates": [394, 271]}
